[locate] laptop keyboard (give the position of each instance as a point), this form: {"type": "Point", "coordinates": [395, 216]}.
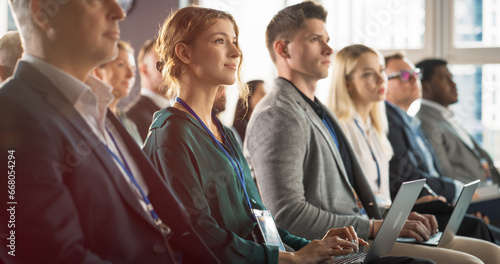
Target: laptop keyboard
{"type": "Point", "coordinates": [434, 239]}
{"type": "Point", "coordinates": [351, 258]}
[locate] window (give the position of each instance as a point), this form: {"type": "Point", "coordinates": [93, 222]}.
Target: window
{"type": "Point", "coordinates": [6, 20]}
{"type": "Point", "coordinates": [383, 24]}
{"type": "Point", "coordinates": [475, 57]}
{"type": "Point", "coordinates": [474, 23]}
{"type": "Point", "coordinates": [478, 102]}
{"type": "Point", "coordinates": [252, 20]}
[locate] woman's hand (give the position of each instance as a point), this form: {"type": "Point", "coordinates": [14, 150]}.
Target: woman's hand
{"type": "Point", "coordinates": [336, 242]}
{"type": "Point", "coordinates": [347, 233]}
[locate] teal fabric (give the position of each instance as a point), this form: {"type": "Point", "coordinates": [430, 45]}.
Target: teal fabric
{"type": "Point", "coordinates": [209, 187]}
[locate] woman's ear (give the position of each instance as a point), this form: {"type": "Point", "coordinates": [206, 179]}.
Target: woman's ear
{"type": "Point", "coordinates": [349, 85]}
{"type": "Point", "coordinates": [280, 47]}
{"type": "Point", "coordinates": [183, 53]}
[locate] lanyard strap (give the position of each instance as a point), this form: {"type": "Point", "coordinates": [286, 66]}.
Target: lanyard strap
{"type": "Point", "coordinates": [234, 161]}
{"type": "Point", "coordinates": [330, 128]}
{"type": "Point", "coordinates": [127, 170]}
{"type": "Point", "coordinates": [371, 152]}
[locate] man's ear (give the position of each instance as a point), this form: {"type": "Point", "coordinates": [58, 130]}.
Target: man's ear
{"type": "Point", "coordinates": [183, 53]}
{"type": "Point", "coordinates": [281, 49]}
{"type": "Point", "coordinates": [3, 74]}
{"type": "Point", "coordinates": [426, 88]}
{"type": "Point", "coordinates": [97, 73]}
{"type": "Point", "coordinates": [39, 16]}
{"type": "Point", "coordinates": [143, 70]}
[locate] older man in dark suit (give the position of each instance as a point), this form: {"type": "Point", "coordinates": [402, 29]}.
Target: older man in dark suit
{"type": "Point", "coordinates": [80, 190]}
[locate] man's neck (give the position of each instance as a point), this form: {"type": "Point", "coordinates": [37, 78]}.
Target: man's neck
{"type": "Point", "coordinates": [307, 87]}
{"type": "Point", "coordinates": [63, 61]}
{"type": "Point", "coordinates": [429, 99]}
{"type": "Point", "coordinates": [401, 104]}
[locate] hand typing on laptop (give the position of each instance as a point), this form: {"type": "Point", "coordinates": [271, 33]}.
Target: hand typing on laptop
{"type": "Point", "coordinates": [349, 234]}
{"type": "Point", "coordinates": [417, 226]}
{"type": "Point", "coordinates": [336, 242]}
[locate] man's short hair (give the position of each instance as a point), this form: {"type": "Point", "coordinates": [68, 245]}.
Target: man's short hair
{"type": "Point", "coordinates": [11, 51]}
{"type": "Point", "coordinates": [428, 66]}
{"type": "Point", "coordinates": [289, 20]}
{"type": "Point", "coordinates": [396, 56]}
{"type": "Point", "coordinates": [145, 49]}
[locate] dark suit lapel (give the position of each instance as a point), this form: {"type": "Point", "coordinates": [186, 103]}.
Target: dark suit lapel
{"type": "Point", "coordinates": [124, 188]}
{"type": "Point", "coordinates": [55, 98]}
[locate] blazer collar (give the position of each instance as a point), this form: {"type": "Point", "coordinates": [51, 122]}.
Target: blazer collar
{"type": "Point", "coordinates": [286, 89]}
{"type": "Point", "coordinates": [428, 110]}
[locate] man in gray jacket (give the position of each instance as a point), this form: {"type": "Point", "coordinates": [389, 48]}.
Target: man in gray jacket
{"type": "Point", "coordinates": [459, 155]}
{"type": "Point", "coordinates": [306, 171]}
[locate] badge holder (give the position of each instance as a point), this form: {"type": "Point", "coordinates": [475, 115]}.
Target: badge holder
{"type": "Point", "coordinates": [268, 228]}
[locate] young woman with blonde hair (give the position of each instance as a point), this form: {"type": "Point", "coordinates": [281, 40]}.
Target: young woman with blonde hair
{"type": "Point", "coordinates": [357, 98]}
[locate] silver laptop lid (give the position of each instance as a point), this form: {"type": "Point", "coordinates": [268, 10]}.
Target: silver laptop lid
{"type": "Point", "coordinates": [395, 219]}
{"type": "Point", "coordinates": [459, 211]}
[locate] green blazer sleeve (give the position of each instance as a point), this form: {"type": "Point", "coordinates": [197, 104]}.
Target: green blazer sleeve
{"type": "Point", "coordinates": [208, 187]}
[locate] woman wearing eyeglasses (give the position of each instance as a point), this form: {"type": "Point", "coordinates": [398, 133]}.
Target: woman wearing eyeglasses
{"type": "Point", "coordinates": [359, 85]}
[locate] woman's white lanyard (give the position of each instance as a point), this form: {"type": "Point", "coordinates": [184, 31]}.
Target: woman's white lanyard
{"type": "Point", "coordinates": [371, 151]}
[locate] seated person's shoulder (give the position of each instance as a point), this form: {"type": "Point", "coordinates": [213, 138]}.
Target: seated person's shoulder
{"type": "Point", "coordinates": [172, 125]}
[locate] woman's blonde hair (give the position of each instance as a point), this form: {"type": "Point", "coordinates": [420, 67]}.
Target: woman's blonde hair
{"type": "Point", "coordinates": [339, 101]}
{"type": "Point", "coordinates": [184, 26]}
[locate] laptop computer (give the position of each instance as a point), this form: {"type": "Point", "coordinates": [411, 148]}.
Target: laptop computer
{"type": "Point", "coordinates": [456, 218]}
{"type": "Point", "coordinates": [390, 228]}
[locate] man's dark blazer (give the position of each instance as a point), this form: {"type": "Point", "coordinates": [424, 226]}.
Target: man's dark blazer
{"type": "Point", "coordinates": [408, 162]}
{"type": "Point", "coordinates": [73, 203]}
{"type": "Point", "coordinates": [142, 114]}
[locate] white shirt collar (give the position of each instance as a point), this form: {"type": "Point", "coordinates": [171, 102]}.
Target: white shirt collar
{"type": "Point", "coordinates": [74, 89]}
{"type": "Point", "coordinates": [157, 99]}
{"type": "Point", "coordinates": [445, 111]}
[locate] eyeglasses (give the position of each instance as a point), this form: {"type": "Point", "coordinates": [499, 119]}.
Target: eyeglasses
{"type": "Point", "coordinates": [405, 75]}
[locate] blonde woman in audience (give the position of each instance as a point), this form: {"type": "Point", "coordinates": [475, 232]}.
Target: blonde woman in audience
{"type": "Point", "coordinates": [359, 85]}
{"type": "Point", "coordinates": [120, 74]}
